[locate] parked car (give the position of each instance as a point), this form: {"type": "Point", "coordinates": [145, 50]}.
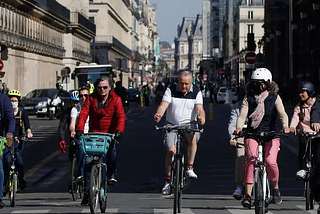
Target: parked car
{"type": "Point", "coordinates": [39, 102]}
{"type": "Point", "coordinates": [222, 94]}
{"type": "Point", "coordinates": [133, 95]}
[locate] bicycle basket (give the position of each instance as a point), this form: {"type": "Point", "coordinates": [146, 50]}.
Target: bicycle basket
{"type": "Point", "coordinates": [3, 141]}
{"type": "Point", "coordinates": [95, 144]}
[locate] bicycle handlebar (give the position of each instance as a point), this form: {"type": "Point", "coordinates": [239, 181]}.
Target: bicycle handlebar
{"type": "Point", "coordinates": [306, 134]}
{"type": "Point", "coordinates": [183, 127]}
{"type": "Point", "coordinates": [254, 135]}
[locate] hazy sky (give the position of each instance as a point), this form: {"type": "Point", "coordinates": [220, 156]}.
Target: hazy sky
{"type": "Point", "coordinates": [169, 15]}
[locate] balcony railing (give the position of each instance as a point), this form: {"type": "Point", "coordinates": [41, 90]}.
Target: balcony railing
{"type": "Point", "coordinates": [78, 18]}
{"type": "Point", "coordinates": [55, 7]}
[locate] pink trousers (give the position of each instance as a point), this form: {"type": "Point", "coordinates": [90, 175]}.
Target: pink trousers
{"type": "Point", "coordinates": [271, 153]}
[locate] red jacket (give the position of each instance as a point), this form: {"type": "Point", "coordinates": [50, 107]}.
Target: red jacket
{"type": "Point", "coordinates": [108, 119]}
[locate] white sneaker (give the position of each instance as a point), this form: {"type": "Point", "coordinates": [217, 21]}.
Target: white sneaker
{"type": "Point", "coordinates": [238, 193]}
{"type": "Point", "coordinates": [190, 173]}
{"type": "Point", "coordinates": [301, 174]}
{"type": "Point", "coordinates": [166, 190]}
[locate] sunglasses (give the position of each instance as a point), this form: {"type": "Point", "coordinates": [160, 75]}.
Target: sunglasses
{"type": "Point", "coordinates": [104, 87]}
{"type": "Point", "coordinates": [83, 95]}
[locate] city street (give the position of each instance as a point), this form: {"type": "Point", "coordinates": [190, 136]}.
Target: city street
{"type": "Point", "coordinates": [141, 171]}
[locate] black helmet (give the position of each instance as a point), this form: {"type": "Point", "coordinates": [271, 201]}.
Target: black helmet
{"type": "Point", "coordinates": [308, 87]}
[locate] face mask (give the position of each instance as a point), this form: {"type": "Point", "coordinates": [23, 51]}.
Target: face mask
{"type": "Point", "coordinates": [15, 104]}
{"type": "Point", "coordinates": [258, 88]}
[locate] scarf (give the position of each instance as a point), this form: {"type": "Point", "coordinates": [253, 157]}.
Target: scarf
{"type": "Point", "coordinates": [257, 115]}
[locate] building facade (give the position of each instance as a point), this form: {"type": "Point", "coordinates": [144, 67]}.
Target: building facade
{"type": "Point", "coordinates": [34, 33]}
{"type": "Point", "coordinates": [188, 44]}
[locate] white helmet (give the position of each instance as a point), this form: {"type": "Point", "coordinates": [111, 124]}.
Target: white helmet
{"type": "Point", "coordinates": [262, 74]}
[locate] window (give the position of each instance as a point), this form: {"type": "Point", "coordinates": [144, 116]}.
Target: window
{"type": "Point", "coordinates": [250, 28]}
{"type": "Point", "coordinates": [249, 2]}
{"type": "Point", "coordinates": [182, 49]}
{"type": "Point", "coordinates": [196, 47]}
{"type": "Point", "coordinates": [181, 65]}
{"type": "Point", "coordinates": [250, 14]}
{"type": "Point", "coordinates": [91, 19]}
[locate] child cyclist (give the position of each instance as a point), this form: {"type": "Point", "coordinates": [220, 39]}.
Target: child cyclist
{"type": "Point", "coordinates": [22, 119]}
{"type": "Point", "coordinates": [262, 105]}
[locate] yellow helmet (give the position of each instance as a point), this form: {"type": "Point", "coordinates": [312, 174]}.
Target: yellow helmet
{"type": "Point", "coordinates": [14, 93]}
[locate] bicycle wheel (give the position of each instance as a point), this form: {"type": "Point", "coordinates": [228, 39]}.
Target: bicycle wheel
{"type": "Point", "coordinates": [259, 203]}
{"type": "Point", "coordinates": [74, 186]}
{"type": "Point", "coordinates": [309, 197]}
{"type": "Point", "coordinates": [12, 189]}
{"type": "Point", "coordinates": [177, 193]}
{"type": "Point", "coordinates": [94, 189]}
{"type": "Point", "coordinates": [103, 191]}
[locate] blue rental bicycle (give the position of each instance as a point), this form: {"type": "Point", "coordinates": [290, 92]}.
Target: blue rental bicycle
{"type": "Point", "coordinates": [96, 145]}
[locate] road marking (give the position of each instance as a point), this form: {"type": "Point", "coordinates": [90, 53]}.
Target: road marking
{"type": "Point", "coordinates": [31, 211]}
{"type": "Point", "coordinates": [42, 163]}
{"type": "Point", "coordinates": [163, 211]}
{"type": "Point", "coordinates": [240, 210]}
{"type": "Point", "coordinates": [303, 207]}
{"type": "Point", "coordinates": [57, 177]}
{"type": "Point", "coordinates": [107, 211]}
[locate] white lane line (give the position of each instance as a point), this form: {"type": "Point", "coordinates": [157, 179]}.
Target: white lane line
{"type": "Point", "coordinates": [303, 207]}
{"type": "Point", "coordinates": [167, 211]}
{"type": "Point", "coordinates": [240, 210]}
{"type": "Point", "coordinates": [31, 211]}
{"type": "Point", "coordinates": [107, 211]}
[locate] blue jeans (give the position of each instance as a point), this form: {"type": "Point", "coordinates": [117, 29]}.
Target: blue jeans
{"type": "Point", "coordinates": [80, 159]}
{"type": "Point", "coordinates": [7, 160]}
{"type": "Point", "coordinates": [109, 159]}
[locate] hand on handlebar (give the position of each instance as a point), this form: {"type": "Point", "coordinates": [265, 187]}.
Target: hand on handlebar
{"type": "Point", "coordinates": [237, 131]}
{"type": "Point", "coordinates": [293, 130]}
{"type": "Point", "coordinates": [62, 145]}
{"type": "Point", "coordinates": [157, 117]}
{"type": "Point", "coordinates": [315, 127]}
{"type": "Point", "coordinates": [73, 134]}
{"type": "Point", "coordinates": [201, 120]}
{"type": "Point", "coordinates": [286, 130]}
{"type": "Point", "coordinates": [233, 142]}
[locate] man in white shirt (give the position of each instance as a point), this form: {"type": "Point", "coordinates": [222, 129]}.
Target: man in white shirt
{"type": "Point", "coordinates": [75, 111]}
{"type": "Point", "coordinates": [184, 104]}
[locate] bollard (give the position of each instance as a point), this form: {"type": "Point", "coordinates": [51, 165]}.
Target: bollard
{"type": "Point", "coordinates": [142, 101]}
{"type": "Point", "coordinates": [211, 111]}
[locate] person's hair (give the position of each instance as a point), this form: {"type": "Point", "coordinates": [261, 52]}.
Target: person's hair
{"type": "Point", "coordinates": [118, 83]}
{"type": "Point", "coordinates": [84, 88]}
{"type": "Point", "coordinates": [185, 73]}
{"type": "Point", "coordinates": [100, 79]}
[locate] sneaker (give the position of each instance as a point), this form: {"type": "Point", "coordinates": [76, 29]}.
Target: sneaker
{"type": "Point", "coordinates": [22, 184]}
{"type": "Point", "coordinates": [112, 180]}
{"type": "Point", "coordinates": [85, 200]}
{"type": "Point", "coordinates": [238, 193]}
{"type": "Point", "coordinates": [166, 190]}
{"type": "Point", "coordinates": [1, 204]}
{"type": "Point", "coordinates": [190, 173]}
{"type": "Point", "coordinates": [246, 202]}
{"type": "Point", "coordinates": [277, 196]}
{"type": "Point", "coordinates": [301, 174]}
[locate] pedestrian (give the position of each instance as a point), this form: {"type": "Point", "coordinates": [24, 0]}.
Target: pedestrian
{"type": "Point", "coordinates": [107, 115]}
{"type": "Point", "coordinates": [7, 127]}
{"type": "Point", "coordinates": [146, 94]}
{"type": "Point", "coordinates": [5, 89]}
{"type": "Point", "coordinates": [240, 153]}
{"type": "Point", "coordinates": [261, 107]}
{"type": "Point", "coordinates": [121, 92]}
{"type": "Point", "coordinates": [159, 92]}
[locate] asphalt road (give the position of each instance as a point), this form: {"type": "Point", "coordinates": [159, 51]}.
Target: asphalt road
{"type": "Point", "coordinates": [141, 172]}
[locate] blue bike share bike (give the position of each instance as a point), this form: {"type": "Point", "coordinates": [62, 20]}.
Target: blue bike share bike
{"type": "Point", "coordinates": [95, 145]}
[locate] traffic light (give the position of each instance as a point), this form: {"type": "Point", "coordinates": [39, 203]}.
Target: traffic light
{"type": "Point", "coordinates": [4, 52]}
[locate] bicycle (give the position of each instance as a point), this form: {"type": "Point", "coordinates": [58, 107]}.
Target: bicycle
{"type": "Point", "coordinates": [96, 145]}
{"type": "Point", "coordinates": [261, 186]}
{"type": "Point", "coordinates": [178, 178]}
{"type": "Point", "coordinates": [76, 186]}
{"type": "Point", "coordinates": [308, 156]}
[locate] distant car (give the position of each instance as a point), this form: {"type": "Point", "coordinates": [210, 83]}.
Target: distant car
{"type": "Point", "coordinates": [133, 95]}
{"type": "Point", "coordinates": [38, 102]}
{"type": "Point", "coordinates": [221, 95]}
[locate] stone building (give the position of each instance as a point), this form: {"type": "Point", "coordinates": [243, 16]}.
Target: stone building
{"type": "Point", "coordinates": [34, 33]}
{"type": "Point", "coordinates": [188, 44]}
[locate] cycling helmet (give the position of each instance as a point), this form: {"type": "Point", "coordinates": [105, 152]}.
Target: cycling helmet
{"type": "Point", "coordinates": [262, 74]}
{"type": "Point", "coordinates": [83, 87]}
{"type": "Point", "coordinates": [74, 95]}
{"type": "Point", "coordinates": [14, 93]}
{"type": "Point", "coordinates": [308, 87]}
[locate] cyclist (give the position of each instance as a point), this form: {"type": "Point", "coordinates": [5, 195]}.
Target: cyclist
{"type": "Point", "coordinates": [262, 105]}
{"type": "Point", "coordinates": [82, 95]}
{"type": "Point", "coordinates": [184, 104]}
{"type": "Point", "coordinates": [240, 158]}
{"type": "Point", "coordinates": [306, 113]}
{"type": "Point", "coordinates": [7, 125]}
{"type": "Point", "coordinates": [106, 115]}
{"type": "Point", "coordinates": [22, 119]}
